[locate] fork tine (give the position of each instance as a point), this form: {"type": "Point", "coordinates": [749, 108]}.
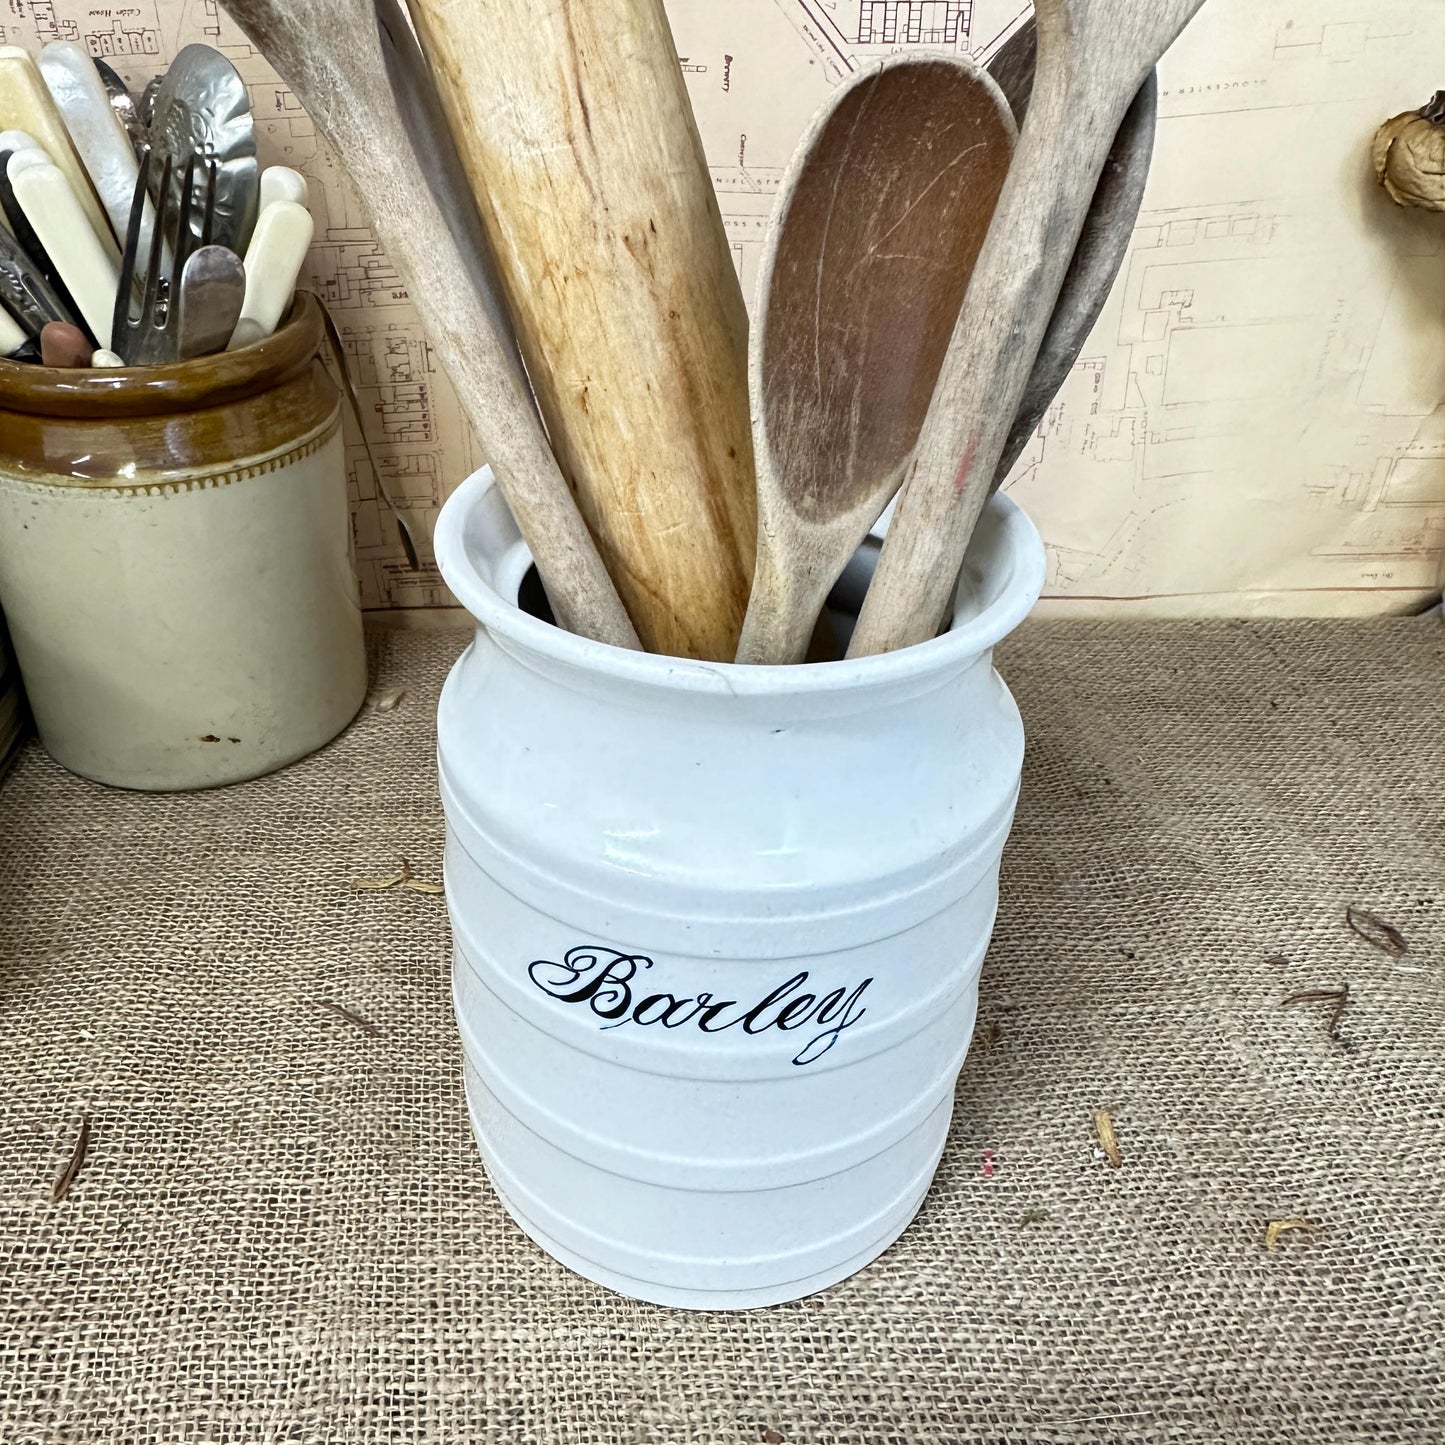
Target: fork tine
{"type": "Point", "coordinates": [185, 236]}
{"type": "Point", "coordinates": [121, 317]}
{"type": "Point", "coordinates": [209, 214]}
{"type": "Point", "coordinates": [153, 261]}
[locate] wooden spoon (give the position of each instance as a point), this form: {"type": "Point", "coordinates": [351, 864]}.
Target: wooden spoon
{"type": "Point", "coordinates": [878, 222]}
{"type": "Point", "coordinates": [578, 137]}
{"type": "Point", "coordinates": [1103, 243]}
{"type": "Point", "coordinates": [328, 52]}
{"type": "Point", "coordinates": [1093, 57]}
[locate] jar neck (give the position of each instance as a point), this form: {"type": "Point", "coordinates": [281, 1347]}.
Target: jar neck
{"type": "Point", "coordinates": [140, 391]}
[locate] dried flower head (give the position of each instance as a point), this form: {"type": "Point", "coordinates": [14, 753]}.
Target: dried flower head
{"type": "Point", "coordinates": [1409, 155]}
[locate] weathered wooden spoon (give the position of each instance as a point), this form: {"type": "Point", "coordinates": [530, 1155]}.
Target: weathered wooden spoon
{"type": "Point", "coordinates": [879, 218]}
{"type": "Point", "coordinates": [329, 53]}
{"type": "Point", "coordinates": [1103, 243]}
{"type": "Point", "coordinates": [1093, 57]}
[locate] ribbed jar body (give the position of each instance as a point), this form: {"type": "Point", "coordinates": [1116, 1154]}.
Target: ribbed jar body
{"type": "Point", "coordinates": [718, 929]}
{"type": "Point", "coordinates": [176, 561]}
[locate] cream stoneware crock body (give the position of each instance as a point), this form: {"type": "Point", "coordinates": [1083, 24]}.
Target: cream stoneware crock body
{"type": "Point", "coordinates": [175, 562]}
{"type": "Point", "coordinates": [718, 929]}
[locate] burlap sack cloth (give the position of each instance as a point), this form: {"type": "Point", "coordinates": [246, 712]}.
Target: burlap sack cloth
{"type": "Point", "coordinates": [281, 1231]}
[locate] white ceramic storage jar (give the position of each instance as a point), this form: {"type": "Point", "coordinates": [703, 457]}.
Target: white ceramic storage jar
{"type": "Point", "coordinates": [175, 561]}
{"type": "Point", "coordinates": [718, 929]}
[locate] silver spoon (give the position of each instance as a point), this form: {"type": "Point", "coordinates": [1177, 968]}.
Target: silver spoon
{"type": "Point", "coordinates": [202, 108]}
{"type": "Point", "coordinates": [213, 286]}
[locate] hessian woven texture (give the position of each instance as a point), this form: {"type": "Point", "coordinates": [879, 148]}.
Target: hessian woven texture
{"type": "Point", "coordinates": [281, 1232]}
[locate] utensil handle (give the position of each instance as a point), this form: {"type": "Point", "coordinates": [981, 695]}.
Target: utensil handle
{"type": "Point", "coordinates": [577, 134]}
{"type": "Point", "coordinates": [338, 353]}
{"type": "Point", "coordinates": [26, 103]}
{"type": "Point", "coordinates": [1041, 210]}
{"type": "Point", "coordinates": [95, 129]}
{"type": "Point", "coordinates": [273, 261]}
{"type": "Point", "coordinates": [83, 263]}
{"type": "Point", "coordinates": [282, 183]}
{"type": "Point", "coordinates": [13, 337]}
{"type": "Point", "coordinates": [346, 91]}
{"type": "Point", "coordinates": [440, 162]}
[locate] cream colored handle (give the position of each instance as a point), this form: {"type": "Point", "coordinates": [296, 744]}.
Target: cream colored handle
{"type": "Point", "coordinates": [23, 160]}
{"type": "Point", "coordinates": [273, 261]}
{"type": "Point", "coordinates": [19, 140]}
{"type": "Point", "coordinates": [281, 183]}
{"type": "Point", "coordinates": [12, 338]}
{"type": "Point", "coordinates": [89, 271]}
{"type": "Point", "coordinates": [25, 104]}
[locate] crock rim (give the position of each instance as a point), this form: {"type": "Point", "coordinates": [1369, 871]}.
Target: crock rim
{"type": "Point", "coordinates": [1021, 549]}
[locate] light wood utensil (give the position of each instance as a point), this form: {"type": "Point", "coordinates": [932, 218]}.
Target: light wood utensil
{"type": "Point", "coordinates": [874, 235]}
{"type": "Point", "coordinates": [436, 152]}
{"type": "Point", "coordinates": [329, 53]}
{"type": "Point", "coordinates": [1103, 242]}
{"type": "Point", "coordinates": [576, 131]}
{"type": "Point", "coordinates": [1093, 57]}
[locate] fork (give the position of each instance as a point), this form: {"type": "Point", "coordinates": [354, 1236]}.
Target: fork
{"type": "Point", "coordinates": [150, 335]}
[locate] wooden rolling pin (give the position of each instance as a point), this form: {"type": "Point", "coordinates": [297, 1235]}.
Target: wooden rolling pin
{"type": "Point", "coordinates": [330, 53]}
{"type": "Point", "coordinates": [579, 141]}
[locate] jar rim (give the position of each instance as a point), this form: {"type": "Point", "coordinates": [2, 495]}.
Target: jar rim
{"type": "Point", "coordinates": [126, 391]}
{"type": "Point", "coordinates": [1017, 563]}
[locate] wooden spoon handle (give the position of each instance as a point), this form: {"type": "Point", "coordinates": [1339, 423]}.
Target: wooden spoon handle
{"type": "Point", "coordinates": [328, 53]}
{"type": "Point", "coordinates": [578, 137]}
{"type": "Point", "coordinates": [1015, 283]}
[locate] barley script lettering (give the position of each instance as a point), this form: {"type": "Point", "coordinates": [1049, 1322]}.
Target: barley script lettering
{"type": "Point", "coordinates": [608, 983]}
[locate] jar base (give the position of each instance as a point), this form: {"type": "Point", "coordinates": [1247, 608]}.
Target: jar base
{"type": "Point", "coordinates": [681, 1298]}
{"type": "Point", "coordinates": [737, 1270]}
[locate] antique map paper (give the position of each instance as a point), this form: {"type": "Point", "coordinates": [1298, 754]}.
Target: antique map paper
{"type": "Point", "coordinates": [1255, 424]}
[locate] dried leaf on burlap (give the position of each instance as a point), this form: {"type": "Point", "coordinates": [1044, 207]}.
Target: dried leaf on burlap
{"type": "Point", "coordinates": [389, 700]}
{"type": "Point", "coordinates": [390, 881]}
{"type": "Point", "coordinates": [1034, 1216]}
{"type": "Point", "coordinates": [77, 1158]}
{"type": "Point", "coordinates": [1279, 1227]}
{"type": "Point", "coordinates": [1104, 1127]}
{"type": "Point", "coordinates": [1277, 960]}
{"type": "Point", "coordinates": [1373, 929]}
{"type": "Point", "coordinates": [341, 1011]}
{"type": "Point", "coordinates": [1339, 997]}
{"type": "Point", "coordinates": [403, 877]}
